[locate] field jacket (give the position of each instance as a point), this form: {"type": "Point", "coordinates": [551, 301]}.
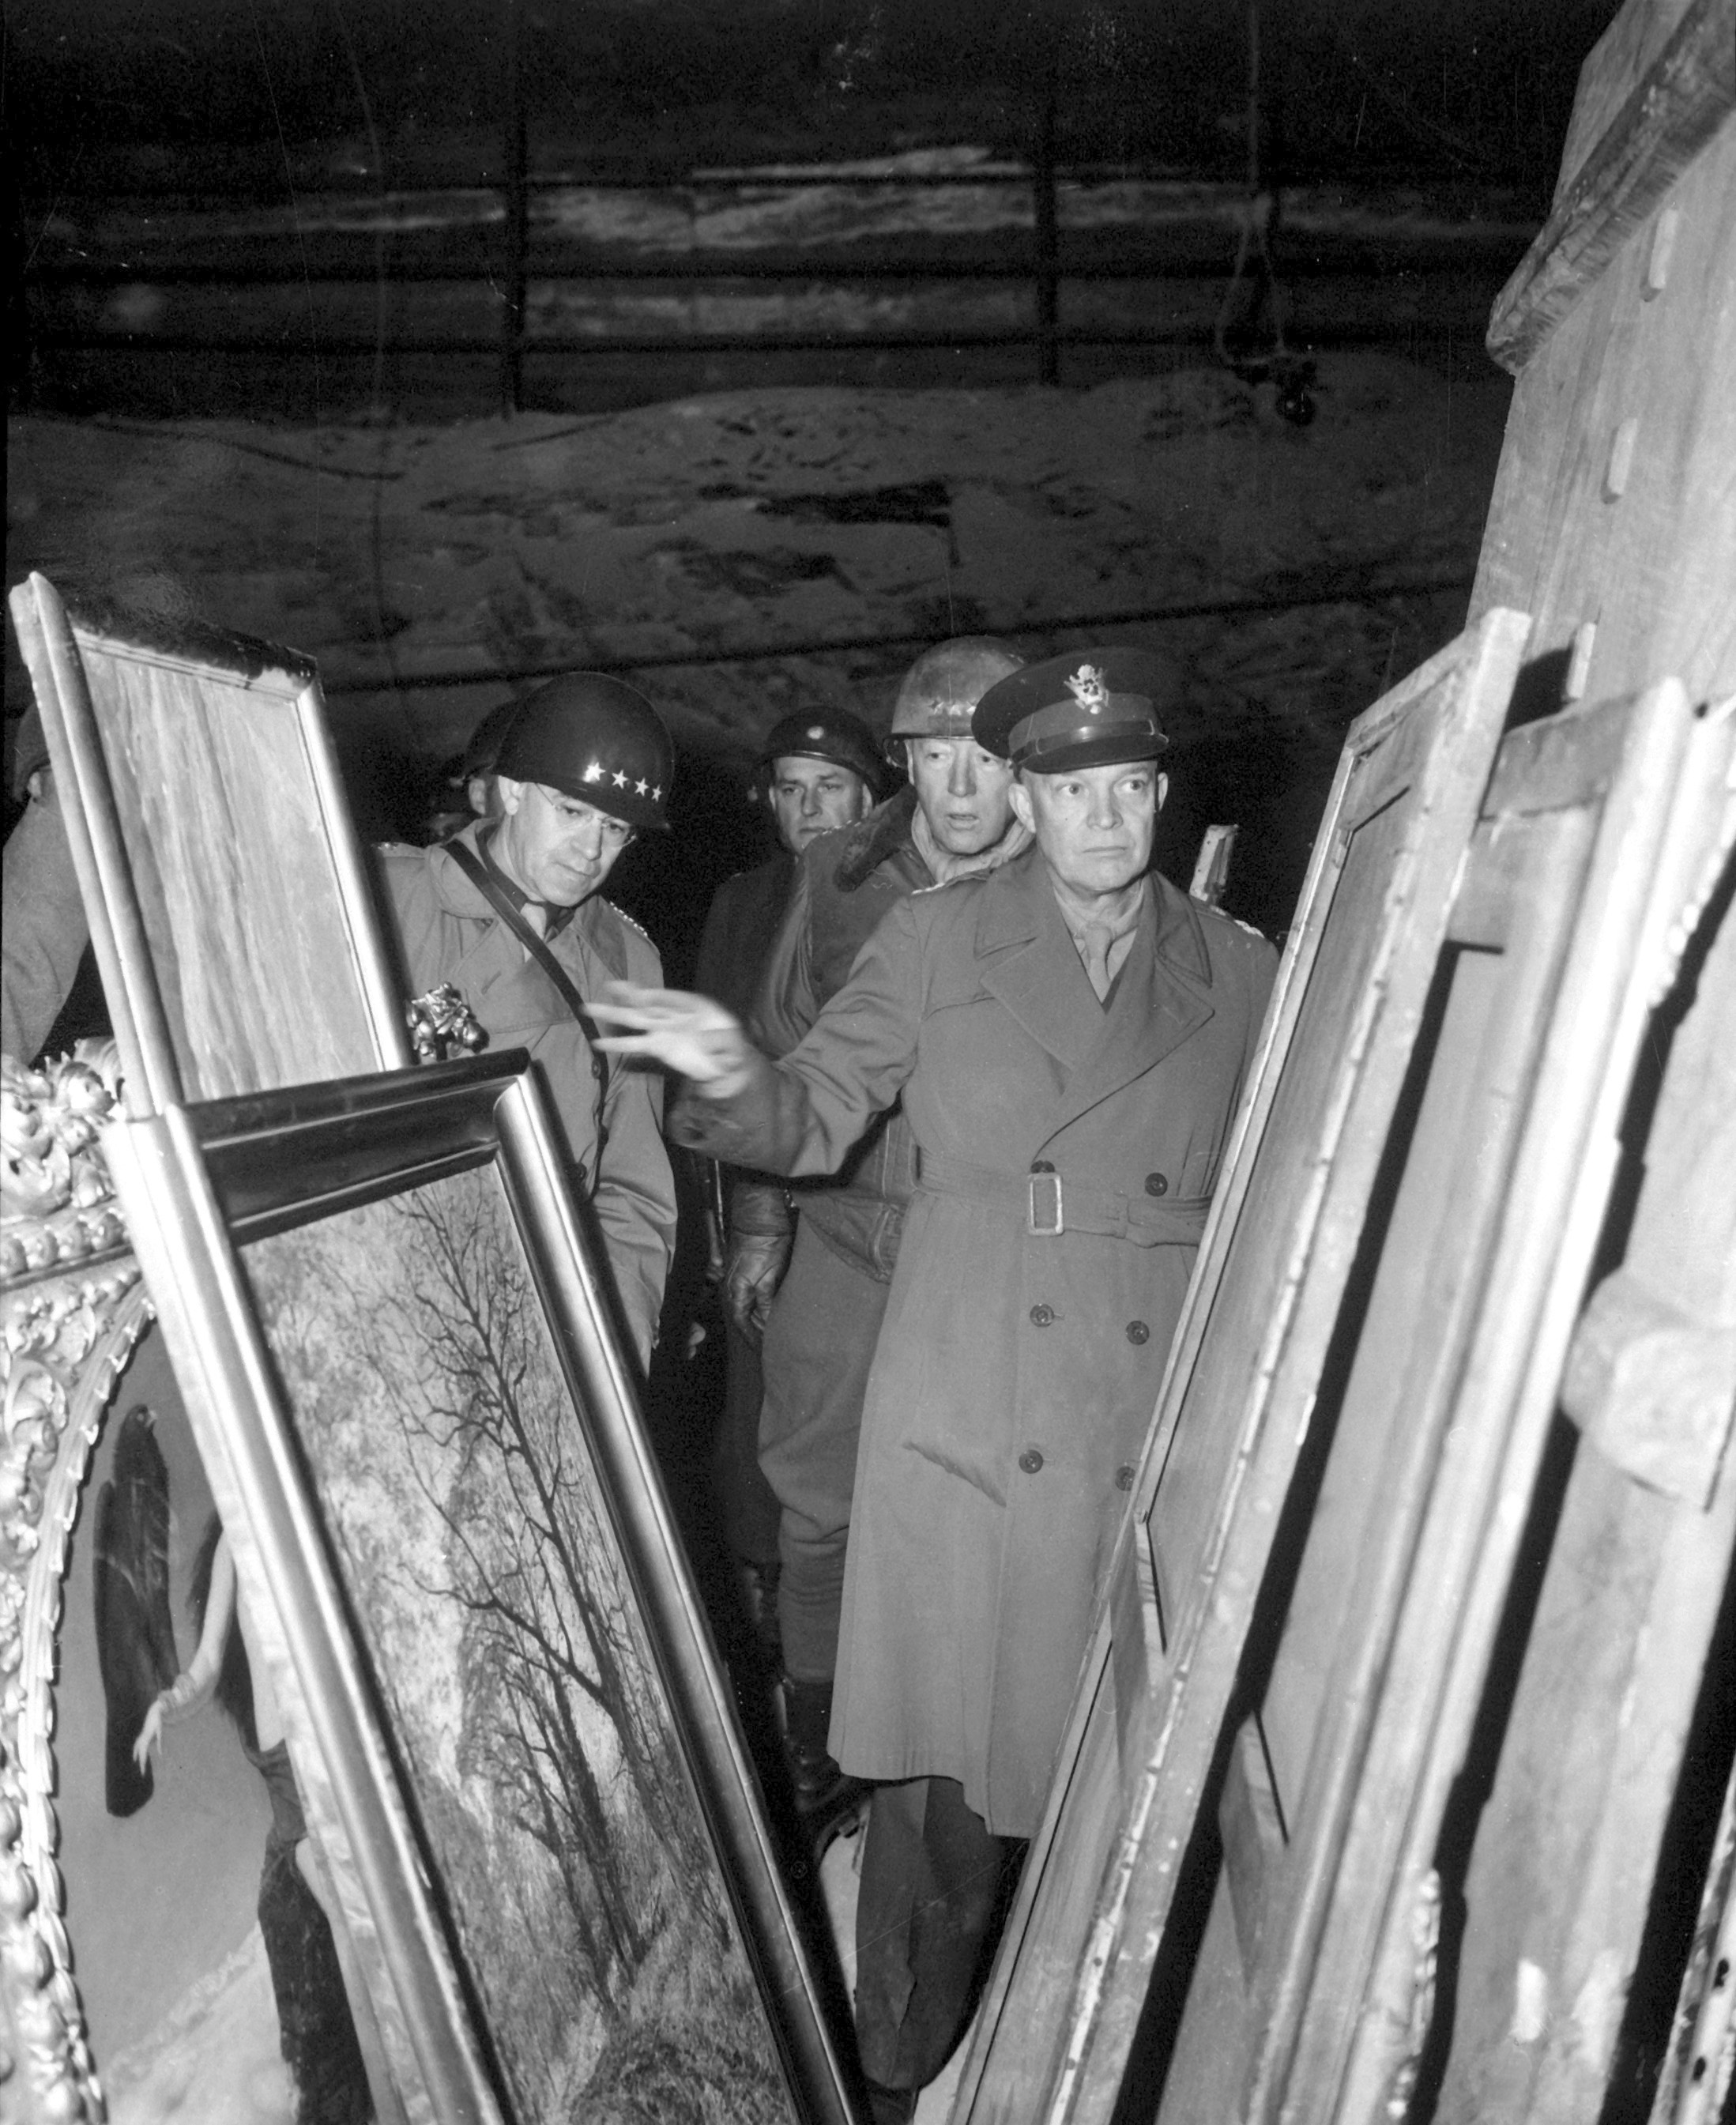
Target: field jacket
{"type": "Point", "coordinates": [446, 931]}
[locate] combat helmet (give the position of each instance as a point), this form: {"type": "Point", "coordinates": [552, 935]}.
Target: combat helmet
{"type": "Point", "coordinates": [597, 738]}
{"type": "Point", "coordinates": [943, 687]}
{"type": "Point", "coordinates": [832, 734]}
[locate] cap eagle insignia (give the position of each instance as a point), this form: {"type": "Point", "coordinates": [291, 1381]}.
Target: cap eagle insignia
{"type": "Point", "coordinates": [1086, 686]}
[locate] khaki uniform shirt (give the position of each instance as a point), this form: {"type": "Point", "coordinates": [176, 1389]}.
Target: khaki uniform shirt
{"type": "Point", "coordinates": [448, 932]}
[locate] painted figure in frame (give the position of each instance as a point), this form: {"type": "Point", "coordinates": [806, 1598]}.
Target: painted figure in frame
{"type": "Point", "coordinates": [322, 2035]}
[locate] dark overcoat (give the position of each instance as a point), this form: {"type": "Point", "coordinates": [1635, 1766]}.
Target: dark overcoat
{"type": "Point", "coordinates": [1017, 1368]}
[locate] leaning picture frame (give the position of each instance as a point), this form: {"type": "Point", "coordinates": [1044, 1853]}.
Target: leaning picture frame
{"type": "Point", "coordinates": [221, 873]}
{"type": "Point", "coordinates": [518, 1755]}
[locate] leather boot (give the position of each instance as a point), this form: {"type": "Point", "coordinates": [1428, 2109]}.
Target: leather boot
{"type": "Point", "coordinates": [826, 1799]}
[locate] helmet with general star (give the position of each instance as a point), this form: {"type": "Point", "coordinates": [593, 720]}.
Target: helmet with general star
{"type": "Point", "coordinates": [943, 687]}
{"type": "Point", "coordinates": [832, 734]}
{"type": "Point", "coordinates": [594, 738]}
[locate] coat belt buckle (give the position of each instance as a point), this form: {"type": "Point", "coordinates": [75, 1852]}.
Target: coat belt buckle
{"type": "Point", "coordinates": [1043, 1212]}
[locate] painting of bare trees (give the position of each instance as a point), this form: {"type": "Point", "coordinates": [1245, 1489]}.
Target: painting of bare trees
{"type": "Point", "coordinates": [499, 1616]}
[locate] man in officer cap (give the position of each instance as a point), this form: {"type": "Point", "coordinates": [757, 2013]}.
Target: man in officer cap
{"type": "Point", "coordinates": [953, 818]}
{"type": "Point", "coordinates": [511, 912]}
{"type": "Point", "coordinates": [819, 770]}
{"type": "Point", "coordinates": [1069, 1034]}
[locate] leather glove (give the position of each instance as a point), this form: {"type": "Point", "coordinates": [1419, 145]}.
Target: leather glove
{"type": "Point", "coordinates": [762, 1228]}
{"type": "Point", "coordinates": [752, 1273]}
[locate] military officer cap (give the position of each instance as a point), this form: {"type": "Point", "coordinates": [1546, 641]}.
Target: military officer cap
{"type": "Point", "coordinates": [595, 738]}
{"type": "Point", "coordinates": [832, 734]}
{"type": "Point", "coordinates": [1088, 709]}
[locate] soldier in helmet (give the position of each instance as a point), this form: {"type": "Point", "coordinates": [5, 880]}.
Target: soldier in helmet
{"type": "Point", "coordinates": [511, 910]}
{"type": "Point", "coordinates": [818, 770]}
{"type": "Point", "coordinates": [1069, 1035]}
{"type": "Point", "coordinates": [827, 1248]}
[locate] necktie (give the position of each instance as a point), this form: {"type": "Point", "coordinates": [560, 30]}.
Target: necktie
{"type": "Point", "coordinates": [1094, 941]}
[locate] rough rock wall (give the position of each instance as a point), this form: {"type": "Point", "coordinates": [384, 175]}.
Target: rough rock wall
{"type": "Point", "coordinates": [682, 539]}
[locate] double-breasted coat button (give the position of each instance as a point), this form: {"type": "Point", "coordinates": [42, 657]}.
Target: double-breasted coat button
{"type": "Point", "coordinates": [1030, 1460]}
{"type": "Point", "coordinates": [1155, 1184]}
{"type": "Point", "coordinates": [1041, 1166]}
{"type": "Point", "coordinates": [1138, 1332]}
{"type": "Point", "coordinates": [1041, 1316]}
{"type": "Point", "coordinates": [1124, 1477]}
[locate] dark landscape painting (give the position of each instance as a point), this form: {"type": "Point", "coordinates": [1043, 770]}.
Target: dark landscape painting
{"type": "Point", "coordinates": [496, 1610]}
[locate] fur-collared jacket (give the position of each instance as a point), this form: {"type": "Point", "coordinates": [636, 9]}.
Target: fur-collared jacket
{"type": "Point", "coordinates": [844, 883]}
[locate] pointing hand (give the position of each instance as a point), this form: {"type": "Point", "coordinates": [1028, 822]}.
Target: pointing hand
{"type": "Point", "coordinates": [689, 1034]}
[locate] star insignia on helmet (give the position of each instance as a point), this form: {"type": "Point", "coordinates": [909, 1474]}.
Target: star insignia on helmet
{"type": "Point", "coordinates": [657, 794]}
{"type": "Point", "coordinates": [620, 779]}
{"type": "Point", "coordinates": [593, 771]}
{"type": "Point", "coordinates": [639, 787]}
{"type": "Point", "coordinates": [1086, 686]}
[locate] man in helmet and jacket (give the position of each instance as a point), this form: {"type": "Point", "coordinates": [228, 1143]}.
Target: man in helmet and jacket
{"type": "Point", "coordinates": [832, 1274]}
{"type": "Point", "coordinates": [819, 770]}
{"type": "Point", "coordinates": [511, 911]}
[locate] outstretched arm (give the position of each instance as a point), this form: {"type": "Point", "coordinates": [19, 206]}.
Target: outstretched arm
{"type": "Point", "coordinates": [801, 1115]}
{"type": "Point", "coordinates": [687, 1034]}
{"type": "Point", "coordinates": [198, 1679]}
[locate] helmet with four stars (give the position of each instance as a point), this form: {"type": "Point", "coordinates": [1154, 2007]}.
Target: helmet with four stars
{"type": "Point", "coordinates": [832, 734]}
{"type": "Point", "coordinates": [943, 686]}
{"type": "Point", "coordinates": [597, 738]}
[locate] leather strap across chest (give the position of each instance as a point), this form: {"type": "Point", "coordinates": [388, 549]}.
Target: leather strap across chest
{"type": "Point", "coordinates": [476, 871]}
{"type": "Point", "coordinates": [1048, 1205]}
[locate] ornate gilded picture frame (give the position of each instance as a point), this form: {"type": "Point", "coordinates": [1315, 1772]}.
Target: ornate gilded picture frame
{"type": "Point", "coordinates": [518, 1758]}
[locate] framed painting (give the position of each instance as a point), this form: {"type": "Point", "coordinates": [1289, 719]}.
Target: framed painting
{"type": "Point", "coordinates": [142, 1940]}
{"type": "Point", "coordinates": [1075, 1963]}
{"type": "Point", "coordinates": [220, 873]}
{"type": "Point", "coordinates": [524, 1789]}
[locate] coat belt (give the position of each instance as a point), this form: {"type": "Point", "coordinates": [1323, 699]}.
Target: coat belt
{"type": "Point", "coordinates": [1050, 1204]}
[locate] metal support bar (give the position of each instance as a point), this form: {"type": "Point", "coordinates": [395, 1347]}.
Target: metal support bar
{"type": "Point", "coordinates": [835, 342]}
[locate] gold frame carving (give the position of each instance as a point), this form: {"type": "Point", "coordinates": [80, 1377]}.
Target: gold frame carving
{"type": "Point", "coordinates": [72, 1311]}
{"type": "Point", "coordinates": [65, 1338]}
